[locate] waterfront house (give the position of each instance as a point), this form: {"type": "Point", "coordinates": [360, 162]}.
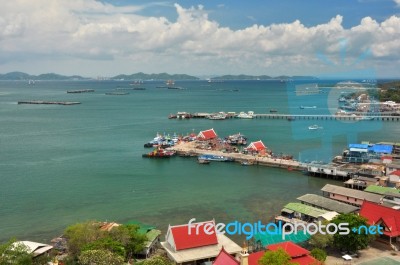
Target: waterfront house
{"type": "Point", "coordinates": [324, 203]}
{"type": "Point", "coordinates": [394, 178]}
{"type": "Point", "coordinates": [34, 248]}
{"type": "Point", "coordinates": [384, 216]}
{"type": "Point", "coordinates": [153, 238]}
{"type": "Point", "coordinates": [195, 247]}
{"type": "Point", "coordinates": [349, 196]}
{"type": "Point", "coordinates": [207, 135]}
{"type": "Point", "coordinates": [294, 211]}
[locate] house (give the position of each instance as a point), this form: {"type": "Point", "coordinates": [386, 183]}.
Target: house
{"type": "Point", "coordinates": [394, 178]}
{"type": "Point", "coordinates": [192, 245]}
{"type": "Point", "coordinates": [297, 254]}
{"type": "Point", "coordinates": [152, 235]}
{"type": "Point", "coordinates": [304, 212]}
{"type": "Point", "coordinates": [207, 135]}
{"type": "Point", "coordinates": [318, 201]}
{"type": "Point", "coordinates": [384, 216]}
{"type": "Point", "coordinates": [33, 248]}
{"type": "Point", "coordinates": [224, 258]}
{"type": "Point", "coordinates": [256, 147]}
{"type": "Point", "coordinates": [349, 196]}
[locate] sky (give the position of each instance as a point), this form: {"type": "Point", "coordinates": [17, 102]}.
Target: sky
{"type": "Point", "coordinates": [202, 38]}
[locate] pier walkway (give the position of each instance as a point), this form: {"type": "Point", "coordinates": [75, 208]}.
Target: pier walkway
{"type": "Point", "coordinates": [183, 148]}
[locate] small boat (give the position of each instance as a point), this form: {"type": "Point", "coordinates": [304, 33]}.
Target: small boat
{"type": "Point", "coordinates": [203, 161]}
{"type": "Point", "coordinates": [273, 111]}
{"type": "Point", "coordinates": [365, 118]}
{"type": "Point", "coordinates": [236, 139]}
{"type": "Point", "coordinates": [117, 93]}
{"type": "Point", "coordinates": [215, 158]}
{"type": "Point", "coordinates": [308, 107]}
{"type": "Point", "coordinates": [217, 116]}
{"type": "Point", "coordinates": [291, 118]}
{"type": "Point", "coordinates": [246, 163]}
{"type": "Point", "coordinates": [314, 127]}
{"type": "Point", "coordinates": [160, 153]}
{"type": "Point", "coordinates": [244, 115]}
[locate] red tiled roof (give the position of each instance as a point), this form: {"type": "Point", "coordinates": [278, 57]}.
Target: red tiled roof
{"type": "Point", "coordinates": [183, 240]}
{"type": "Point", "coordinates": [305, 260]}
{"type": "Point", "coordinates": [291, 248]}
{"type": "Point", "coordinates": [254, 257]}
{"type": "Point", "coordinates": [208, 134]}
{"type": "Point", "coordinates": [397, 173]}
{"type": "Point", "coordinates": [376, 213]}
{"type": "Point", "coordinates": [258, 146]}
{"type": "Point", "coordinates": [224, 258]}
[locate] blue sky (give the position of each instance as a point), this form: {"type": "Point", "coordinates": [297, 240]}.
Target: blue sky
{"type": "Point", "coordinates": [104, 38]}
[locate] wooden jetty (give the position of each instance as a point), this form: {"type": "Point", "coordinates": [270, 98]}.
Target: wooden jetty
{"type": "Point", "coordinates": [65, 103]}
{"type": "Point", "coordinates": [80, 91]}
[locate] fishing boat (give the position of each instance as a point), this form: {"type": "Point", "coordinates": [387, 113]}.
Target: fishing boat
{"type": "Point", "coordinates": [273, 111]}
{"type": "Point", "coordinates": [246, 163]}
{"type": "Point", "coordinates": [244, 115]}
{"type": "Point", "coordinates": [217, 116]}
{"type": "Point", "coordinates": [216, 158]}
{"type": "Point", "coordinates": [308, 107]}
{"type": "Point", "coordinates": [365, 118]}
{"type": "Point", "coordinates": [314, 127]}
{"type": "Point", "coordinates": [203, 161]}
{"type": "Point", "coordinates": [236, 139]}
{"type": "Point", "coordinates": [160, 153]}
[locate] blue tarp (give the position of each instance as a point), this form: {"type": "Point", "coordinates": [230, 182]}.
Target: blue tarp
{"type": "Point", "coordinates": [381, 148]}
{"type": "Point", "coordinates": [358, 146]}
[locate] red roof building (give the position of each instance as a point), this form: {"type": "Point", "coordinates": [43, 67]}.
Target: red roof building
{"type": "Point", "coordinates": [386, 217]}
{"type": "Point", "coordinates": [297, 254]}
{"type": "Point", "coordinates": [207, 135]}
{"type": "Point", "coordinates": [397, 173]}
{"type": "Point", "coordinates": [224, 258]}
{"type": "Point", "coordinates": [256, 146]}
{"type": "Point", "coordinates": [189, 243]}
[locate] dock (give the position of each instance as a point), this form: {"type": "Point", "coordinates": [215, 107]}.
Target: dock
{"type": "Point", "coordinates": [358, 116]}
{"type": "Point", "coordinates": [65, 103]}
{"type": "Point", "coordinates": [185, 148]}
{"type": "Point", "coordinates": [80, 91]}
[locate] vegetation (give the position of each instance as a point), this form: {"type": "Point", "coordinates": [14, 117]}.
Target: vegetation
{"type": "Point", "coordinates": [11, 254]}
{"type": "Point", "coordinates": [390, 91]}
{"type": "Point", "coordinates": [277, 257]}
{"type": "Point", "coordinates": [100, 257]}
{"type": "Point", "coordinates": [156, 260]}
{"type": "Point", "coordinates": [322, 241]}
{"type": "Point", "coordinates": [319, 254]}
{"type": "Point", "coordinates": [353, 241]}
{"type": "Point", "coordinates": [121, 243]}
{"type": "Point", "coordinates": [161, 76]}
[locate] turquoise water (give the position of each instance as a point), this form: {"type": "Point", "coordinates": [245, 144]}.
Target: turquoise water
{"type": "Point", "coordinates": [64, 164]}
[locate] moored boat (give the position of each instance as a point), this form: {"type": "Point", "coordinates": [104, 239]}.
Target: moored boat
{"type": "Point", "coordinates": [314, 127]}
{"type": "Point", "coordinates": [160, 153]}
{"type": "Point", "coordinates": [203, 161]}
{"type": "Point", "coordinates": [244, 115]}
{"type": "Point", "coordinates": [216, 158]}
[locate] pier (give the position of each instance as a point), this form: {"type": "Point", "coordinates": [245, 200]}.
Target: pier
{"type": "Point", "coordinates": [355, 116]}
{"type": "Point", "coordinates": [80, 91]}
{"type": "Point", "coordinates": [65, 103]}
{"type": "Point", "coordinates": [189, 148]}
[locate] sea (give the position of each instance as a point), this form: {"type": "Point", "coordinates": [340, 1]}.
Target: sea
{"type": "Point", "coordinates": [60, 165]}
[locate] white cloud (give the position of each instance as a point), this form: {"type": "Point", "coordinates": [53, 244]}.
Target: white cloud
{"type": "Point", "coordinates": [107, 39]}
{"type": "Point", "coordinates": [397, 2]}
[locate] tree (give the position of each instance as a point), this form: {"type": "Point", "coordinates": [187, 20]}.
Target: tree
{"type": "Point", "coordinates": [100, 257]}
{"type": "Point", "coordinates": [276, 257]}
{"type": "Point", "coordinates": [81, 234]}
{"type": "Point", "coordinates": [319, 254]}
{"type": "Point", "coordinates": [130, 237]}
{"type": "Point", "coordinates": [353, 241]}
{"type": "Point", "coordinates": [106, 243]}
{"type": "Point", "coordinates": [11, 253]}
{"type": "Point", "coordinates": [156, 260]}
{"type": "Point", "coordinates": [322, 241]}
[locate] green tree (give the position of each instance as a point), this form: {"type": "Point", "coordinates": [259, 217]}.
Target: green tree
{"type": "Point", "coordinates": [11, 253]}
{"type": "Point", "coordinates": [81, 234]}
{"type": "Point", "coordinates": [156, 260]}
{"type": "Point", "coordinates": [319, 254]}
{"type": "Point", "coordinates": [99, 257]}
{"type": "Point", "coordinates": [277, 257]}
{"type": "Point", "coordinates": [130, 237]}
{"type": "Point", "coordinates": [106, 243]}
{"type": "Point", "coordinates": [322, 241]}
{"type": "Point", "coordinates": [352, 241]}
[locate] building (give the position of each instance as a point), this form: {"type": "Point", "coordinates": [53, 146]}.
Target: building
{"type": "Point", "coordinates": [297, 254]}
{"type": "Point", "coordinates": [326, 203]}
{"type": "Point", "coordinates": [196, 247]}
{"type": "Point", "coordinates": [349, 196]}
{"type": "Point", "coordinates": [224, 258]}
{"type": "Point", "coordinates": [207, 135]}
{"type": "Point", "coordinates": [257, 147]}
{"type": "Point", "coordinates": [386, 217]}
{"type": "Point", "coordinates": [33, 248]}
{"type": "Point", "coordinates": [152, 235]}
{"type": "Point", "coordinates": [306, 213]}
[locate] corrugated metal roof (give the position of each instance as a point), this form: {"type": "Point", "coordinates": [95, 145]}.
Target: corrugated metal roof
{"type": "Point", "coordinates": [327, 204]}
{"type": "Point", "coordinates": [381, 190]}
{"type": "Point", "coordinates": [362, 195]}
{"type": "Point", "coordinates": [305, 209]}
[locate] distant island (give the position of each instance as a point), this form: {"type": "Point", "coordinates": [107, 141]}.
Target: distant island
{"type": "Point", "coordinates": [15, 76]}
